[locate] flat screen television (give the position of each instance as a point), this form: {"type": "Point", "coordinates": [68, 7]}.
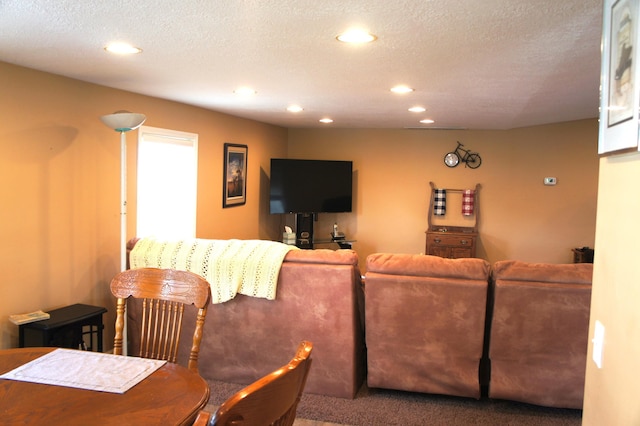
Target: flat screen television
{"type": "Point", "coordinates": [310, 186]}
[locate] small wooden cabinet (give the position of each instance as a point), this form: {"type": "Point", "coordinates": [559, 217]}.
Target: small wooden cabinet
{"type": "Point", "coordinates": [451, 242]}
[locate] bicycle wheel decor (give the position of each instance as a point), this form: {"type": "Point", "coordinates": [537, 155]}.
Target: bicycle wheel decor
{"type": "Point", "coordinates": [451, 159]}
{"type": "Point", "coordinates": [474, 161]}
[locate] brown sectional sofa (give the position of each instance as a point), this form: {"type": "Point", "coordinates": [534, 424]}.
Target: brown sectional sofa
{"type": "Point", "coordinates": [458, 327]}
{"type": "Point", "coordinates": [318, 299]}
{"type": "Point", "coordinates": [425, 321]}
{"type": "Point", "coordinates": [539, 332]}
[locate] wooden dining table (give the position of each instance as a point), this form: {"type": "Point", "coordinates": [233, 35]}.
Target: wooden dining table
{"type": "Point", "coordinates": [171, 395]}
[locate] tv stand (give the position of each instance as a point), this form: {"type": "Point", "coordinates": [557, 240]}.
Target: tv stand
{"type": "Point", "coordinates": [304, 230]}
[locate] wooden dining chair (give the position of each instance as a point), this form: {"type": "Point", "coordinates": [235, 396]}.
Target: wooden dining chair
{"type": "Point", "coordinates": [164, 293]}
{"type": "Point", "coordinates": [272, 400]}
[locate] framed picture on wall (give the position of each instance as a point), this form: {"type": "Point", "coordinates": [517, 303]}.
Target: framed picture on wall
{"type": "Point", "coordinates": [234, 191]}
{"type": "Point", "coordinates": [619, 88]}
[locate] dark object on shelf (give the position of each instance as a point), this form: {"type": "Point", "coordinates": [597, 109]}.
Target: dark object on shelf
{"type": "Point", "coordinates": [65, 329]}
{"type": "Point", "coordinates": [582, 255]}
{"type": "Point", "coordinates": [304, 230]}
{"type": "Point", "coordinates": [343, 244]}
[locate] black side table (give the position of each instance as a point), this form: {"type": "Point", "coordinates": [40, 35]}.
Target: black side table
{"type": "Point", "coordinates": [65, 328]}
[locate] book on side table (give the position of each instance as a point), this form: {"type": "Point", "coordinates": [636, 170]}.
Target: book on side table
{"type": "Point", "coordinates": [19, 319]}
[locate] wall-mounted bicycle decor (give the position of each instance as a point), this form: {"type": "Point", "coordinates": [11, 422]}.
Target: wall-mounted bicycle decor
{"type": "Point", "coordinates": [470, 159]}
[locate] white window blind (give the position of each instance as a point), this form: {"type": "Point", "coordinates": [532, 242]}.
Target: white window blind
{"type": "Point", "coordinates": [167, 183]}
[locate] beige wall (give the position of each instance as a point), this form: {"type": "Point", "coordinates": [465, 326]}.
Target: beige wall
{"type": "Point", "coordinates": [60, 191]}
{"type": "Point", "coordinates": [520, 218]}
{"type": "Point", "coordinates": [59, 165]}
{"type": "Point", "coordinates": [611, 392]}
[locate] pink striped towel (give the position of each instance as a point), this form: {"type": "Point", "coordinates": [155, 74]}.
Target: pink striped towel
{"type": "Point", "coordinates": [468, 198]}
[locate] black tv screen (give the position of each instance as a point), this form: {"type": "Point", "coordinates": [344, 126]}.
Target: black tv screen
{"type": "Point", "coordinates": [310, 186]}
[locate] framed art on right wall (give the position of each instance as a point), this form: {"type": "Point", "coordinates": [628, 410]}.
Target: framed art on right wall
{"type": "Point", "coordinates": [619, 88]}
{"type": "Point", "coordinates": [234, 188]}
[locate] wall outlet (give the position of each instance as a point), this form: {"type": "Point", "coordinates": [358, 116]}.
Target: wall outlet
{"type": "Point", "coordinates": [598, 343]}
{"type": "Point", "coordinates": [550, 181]}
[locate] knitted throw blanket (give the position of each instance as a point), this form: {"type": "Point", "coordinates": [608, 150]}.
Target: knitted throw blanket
{"type": "Point", "coordinates": [248, 267]}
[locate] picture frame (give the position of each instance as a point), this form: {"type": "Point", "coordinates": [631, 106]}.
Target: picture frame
{"type": "Point", "coordinates": [234, 188]}
{"type": "Point", "coordinates": [619, 86]}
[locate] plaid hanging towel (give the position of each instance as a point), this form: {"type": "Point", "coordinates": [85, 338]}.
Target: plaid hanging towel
{"type": "Point", "coordinates": [468, 197]}
{"type": "Point", "coordinates": [439, 202]}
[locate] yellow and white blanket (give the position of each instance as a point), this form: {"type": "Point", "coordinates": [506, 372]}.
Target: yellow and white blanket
{"type": "Point", "coordinates": [248, 267]}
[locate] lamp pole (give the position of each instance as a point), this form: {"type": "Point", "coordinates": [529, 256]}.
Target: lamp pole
{"type": "Point", "coordinates": [123, 121]}
{"type": "Point", "coordinates": [123, 201]}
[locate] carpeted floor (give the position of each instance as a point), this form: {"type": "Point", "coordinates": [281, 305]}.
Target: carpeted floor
{"type": "Point", "coordinates": [373, 407]}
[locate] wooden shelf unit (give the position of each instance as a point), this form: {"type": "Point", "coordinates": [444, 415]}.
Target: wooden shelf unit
{"type": "Point", "coordinates": [452, 241]}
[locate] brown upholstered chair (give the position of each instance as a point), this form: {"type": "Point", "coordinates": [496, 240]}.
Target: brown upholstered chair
{"type": "Point", "coordinates": [164, 294]}
{"type": "Point", "coordinates": [540, 332]}
{"type": "Point", "coordinates": [272, 400]}
{"type": "Point", "coordinates": [425, 319]}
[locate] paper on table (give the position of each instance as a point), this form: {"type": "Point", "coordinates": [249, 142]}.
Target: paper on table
{"type": "Point", "coordinates": [86, 370]}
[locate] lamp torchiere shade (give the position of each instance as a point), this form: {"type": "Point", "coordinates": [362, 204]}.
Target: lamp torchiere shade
{"type": "Point", "coordinates": [123, 121]}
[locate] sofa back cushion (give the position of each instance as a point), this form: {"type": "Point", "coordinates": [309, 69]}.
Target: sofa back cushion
{"type": "Point", "coordinates": [419, 265]}
{"type": "Point", "coordinates": [515, 270]}
{"type": "Point", "coordinates": [323, 256]}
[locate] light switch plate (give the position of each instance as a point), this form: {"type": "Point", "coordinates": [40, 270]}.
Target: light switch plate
{"type": "Point", "coordinates": [550, 181]}
{"type": "Point", "coordinates": [598, 343]}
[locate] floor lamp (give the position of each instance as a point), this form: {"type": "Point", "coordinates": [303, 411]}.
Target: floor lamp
{"type": "Point", "coordinates": [123, 121]}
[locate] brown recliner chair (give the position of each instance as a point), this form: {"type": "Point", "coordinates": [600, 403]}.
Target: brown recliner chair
{"type": "Point", "coordinates": [424, 323]}
{"type": "Point", "coordinates": [539, 332]}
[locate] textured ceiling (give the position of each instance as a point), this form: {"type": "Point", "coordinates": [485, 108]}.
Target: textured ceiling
{"type": "Point", "coordinates": [478, 64]}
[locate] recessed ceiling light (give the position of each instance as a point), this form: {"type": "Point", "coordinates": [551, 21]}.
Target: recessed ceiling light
{"type": "Point", "coordinates": [294, 108]}
{"type": "Point", "coordinates": [356, 35]}
{"type": "Point", "coordinates": [122, 48]}
{"type": "Point", "coordinates": [326, 120]}
{"type": "Point", "coordinates": [401, 89]}
{"type": "Point", "coordinates": [244, 91]}
{"type": "Point", "coordinates": [427, 121]}
{"type": "Point", "coordinates": [417, 109]}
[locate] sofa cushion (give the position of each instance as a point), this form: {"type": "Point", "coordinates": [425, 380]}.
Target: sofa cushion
{"type": "Point", "coordinates": [515, 270]}
{"type": "Point", "coordinates": [428, 266]}
{"type": "Point", "coordinates": [323, 256]}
